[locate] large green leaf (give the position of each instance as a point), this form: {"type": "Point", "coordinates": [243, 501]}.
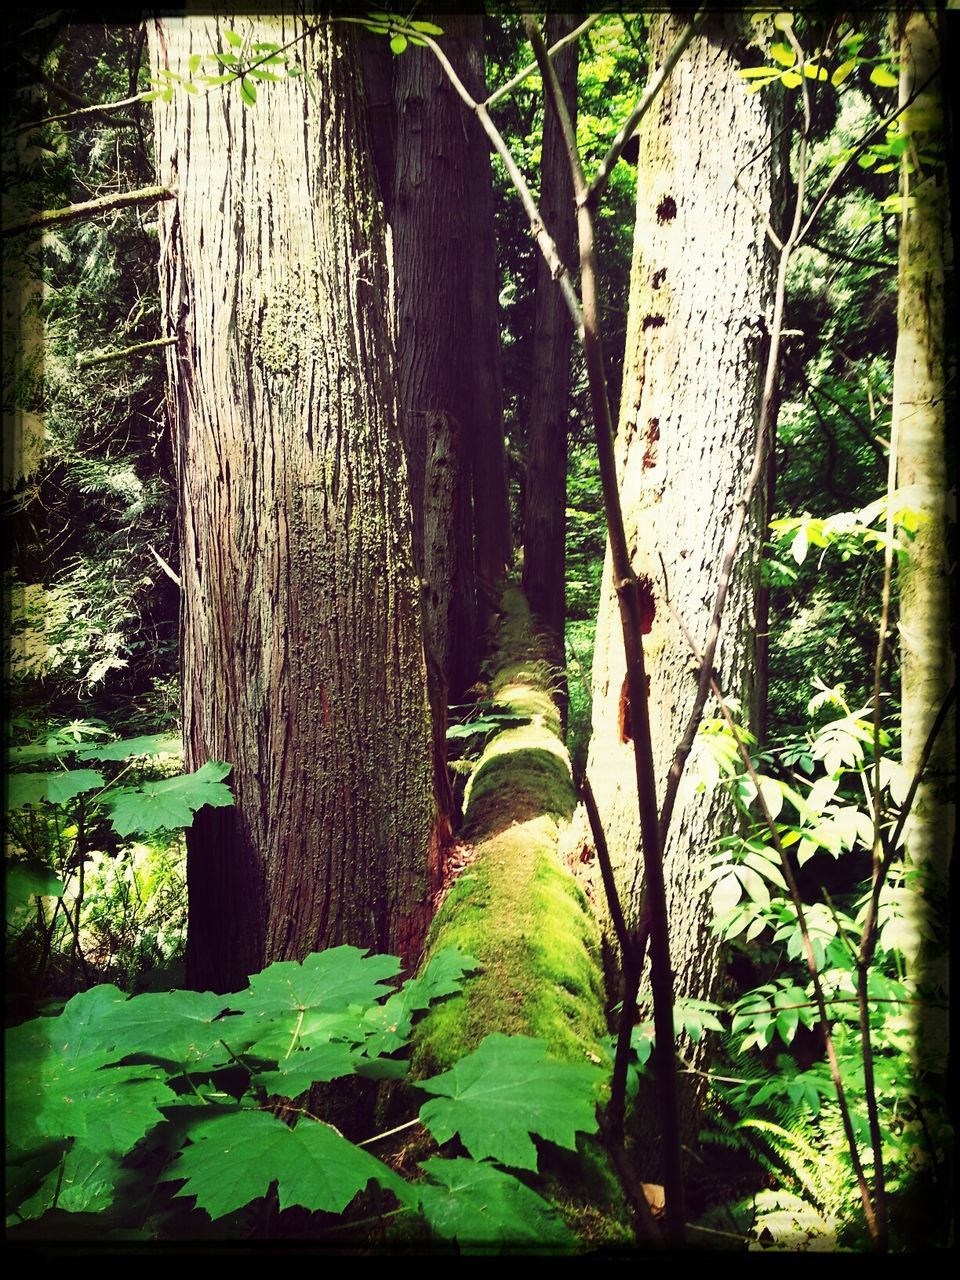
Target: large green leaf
{"type": "Point", "coordinates": [148, 744]}
{"type": "Point", "coordinates": [326, 980]}
{"type": "Point", "coordinates": [307, 1065]}
{"type": "Point", "coordinates": [506, 1090]}
{"type": "Point", "coordinates": [50, 1094]}
{"type": "Point", "coordinates": [486, 1210]}
{"type": "Point", "coordinates": [27, 881]}
{"type": "Point", "coordinates": [170, 804]}
{"type": "Point", "coordinates": [390, 1023]}
{"type": "Point", "coordinates": [234, 1159]}
{"type": "Point", "coordinates": [86, 1183]}
{"type": "Point", "coordinates": [57, 1085]}
{"type": "Point", "coordinates": [172, 1026]}
{"type": "Point", "coordinates": [55, 788]}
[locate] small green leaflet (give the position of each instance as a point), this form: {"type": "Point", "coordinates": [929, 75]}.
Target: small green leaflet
{"type": "Point", "coordinates": [506, 1090]}
{"type": "Point", "coordinates": [486, 1210]}
{"type": "Point", "coordinates": [55, 788]}
{"type": "Point", "coordinates": [236, 1158]}
{"type": "Point", "coordinates": [883, 77]}
{"type": "Point", "coordinates": [170, 804]}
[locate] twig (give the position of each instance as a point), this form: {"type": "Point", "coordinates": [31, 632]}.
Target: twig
{"type": "Point", "coordinates": [388, 1133]}
{"type": "Point", "coordinates": [89, 209]}
{"type": "Point", "coordinates": [858, 150]}
{"type": "Point", "coordinates": [650, 94]}
{"type": "Point", "coordinates": [171, 574]}
{"type": "Point", "coordinates": [97, 109]}
{"type": "Point", "coordinates": [508, 88]}
{"type": "Point", "coordinates": [537, 228]}
{"type": "Point", "coordinates": [87, 362]}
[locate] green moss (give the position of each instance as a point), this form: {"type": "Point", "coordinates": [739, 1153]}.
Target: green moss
{"type": "Point", "coordinates": [523, 917]}
{"type": "Point", "coordinates": [518, 910]}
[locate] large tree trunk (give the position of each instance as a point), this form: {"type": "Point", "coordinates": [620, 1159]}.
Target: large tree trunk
{"type": "Point", "coordinates": [701, 281]}
{"type": "Point", "coordinates": [302, 654]}
{"type": "Point", "coordinates": [924, 386]}
{"type": "Point", "coordinates": [545, 507]}
{"type": "Point", "coordinates": [920, 393]}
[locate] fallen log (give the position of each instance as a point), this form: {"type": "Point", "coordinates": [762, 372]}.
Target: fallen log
{"type": "Point", "coordinates": [515, 907]}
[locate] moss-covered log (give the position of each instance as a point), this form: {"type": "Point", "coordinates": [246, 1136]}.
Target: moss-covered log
{"type": "Point", "coordinates": [516, 907]}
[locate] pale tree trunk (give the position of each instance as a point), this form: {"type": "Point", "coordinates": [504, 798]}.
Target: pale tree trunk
{"type": "Point", "coordinates": [924, 401]}
{"type": "Point", "coordinates": [545, 507]}
{"type": "Point", "coordinates": [701, 281]}
{"type": "Point", "coordinates": [921, 390]}
{"type": "Point", "coordinates": [302, 654]}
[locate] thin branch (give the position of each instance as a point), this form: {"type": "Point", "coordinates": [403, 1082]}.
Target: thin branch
{"type": "Point", "coordinates": [650, 94]}
{"type": "Point", "coordinates": [849, 257]}
{"type": "Point", "coordinates": [508, 88]}
{"type": "Point", "coordinates": [921, 767]}
{"type": "Point", "coordinates": [89, 209]}
{"type": "Point", "coordinates": [627, 588]}
{"type": "Point", "coordinates": [171, 573]}
{"type": "Point", "coordinates": [97, 109]}
{"type": "Point", "coordinates": [388, 1133]}
{"type": "Point", "coordinates": [864, 433]}
{"type": "Point", "coordinates": [87, 362]}
{"type": "Point", "coordinates": [858, 150]}
{"type": "Point", "coordinates": [767, 224]}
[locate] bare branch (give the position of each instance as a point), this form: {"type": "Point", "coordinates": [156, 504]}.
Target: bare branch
{"type": "Point", "coordinates": [89, 209]}
{"type": "Point", "coordinates": [650, 94]}
{"type": "Point", "coordinates": [87, 362]}
{"type": "Point", "coordinates": [505, 90]}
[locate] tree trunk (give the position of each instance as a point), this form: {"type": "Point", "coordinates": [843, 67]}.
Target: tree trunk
{"type": "Point", "coordinates": [545, 508]}
{"type": "Point", "coordinates": [491, 502]}
{"type": "Point", "coordinates": [302, 653]}
{"type": "Point", "coordinates": [924, 386]}
{"type": "Point", "coordinates": [431, 234]}
{"type": "Point", "coordinates": [701, 280]}
{"type": "Point", "coordinates": [920, 392]}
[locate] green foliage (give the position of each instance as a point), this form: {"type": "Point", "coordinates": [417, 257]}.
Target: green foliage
{"type": "Point", "coordinates": [788, 1113]}
{"type": "Point", "coordinates": [116, 1099]}
{"type": "Point", "coordinates": [507, 1090]}
{"type": "Point", "coordinates": [76, 896]}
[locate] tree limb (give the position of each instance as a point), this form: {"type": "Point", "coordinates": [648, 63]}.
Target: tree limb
{"type": "Point", "coordinates": [88, 209]}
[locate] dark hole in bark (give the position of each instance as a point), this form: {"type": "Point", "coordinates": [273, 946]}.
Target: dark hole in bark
{"type": "Point", "coordinates": [666, 209]}
{"type": "Point", "coordinates": [653, 322]}
{"type": "Point", "coordinates": [626, 732]}
{"type": "Point", "coordinates": [659, 277]}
